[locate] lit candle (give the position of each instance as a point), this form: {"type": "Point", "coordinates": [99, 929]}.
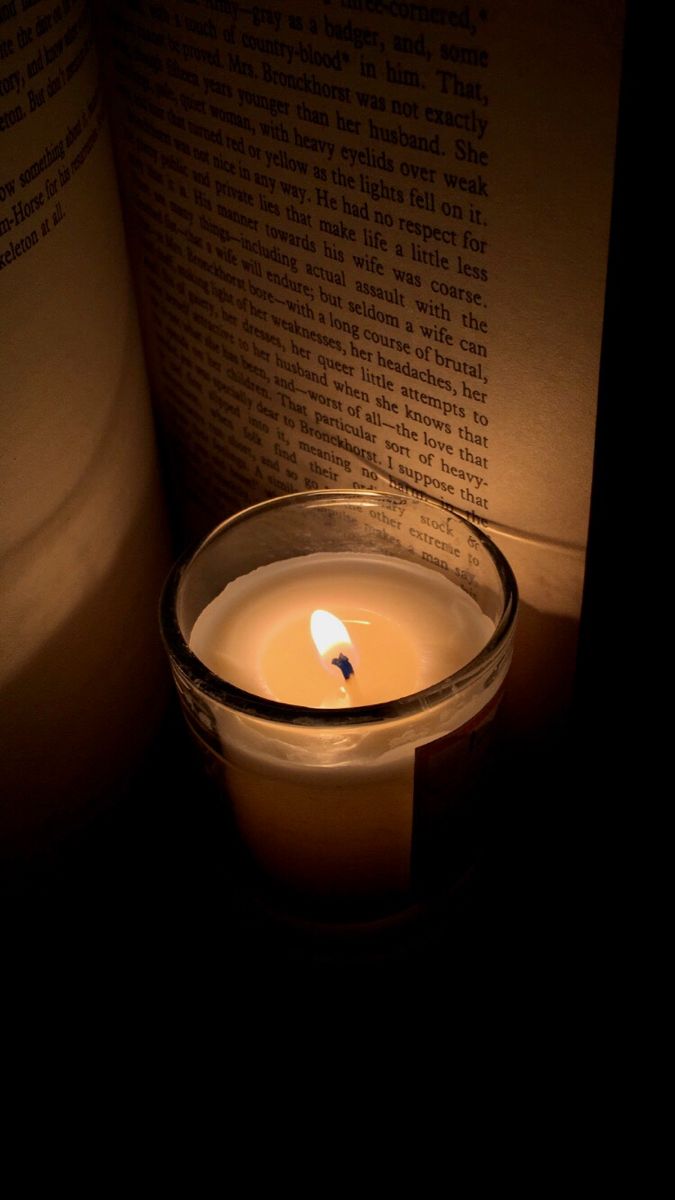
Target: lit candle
{"type": "Point", "coordinates": [341, 695]}
{"type": "Point", "coordinates": [331, 811]}
{"type": "Point", "coordinates": [405, 626]}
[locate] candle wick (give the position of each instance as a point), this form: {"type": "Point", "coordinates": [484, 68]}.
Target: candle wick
{"type": "Point", "coordinates": [343, 663]}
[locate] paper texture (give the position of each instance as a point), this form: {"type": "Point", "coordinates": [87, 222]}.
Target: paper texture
{"type": "Point", "coordinates": [82, 550]}
{"type": "Point", "coordinates": [373, 243]}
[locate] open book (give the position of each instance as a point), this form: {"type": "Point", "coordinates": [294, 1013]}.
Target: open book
{"type": "Point", "coordinates": [366, 240]}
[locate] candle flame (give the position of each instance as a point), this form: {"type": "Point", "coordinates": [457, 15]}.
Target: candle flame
{"type": "Point", "coordinates": [338, 657]}
{"type": "Point", "coordinates": [328, 633]}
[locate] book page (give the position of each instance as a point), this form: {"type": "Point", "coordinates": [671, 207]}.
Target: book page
{"type": "Point", "coordinates": [370, 242]}
{"type": "Point", "coordinates": [82, 548]}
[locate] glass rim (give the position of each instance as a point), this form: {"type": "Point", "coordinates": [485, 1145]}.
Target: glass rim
{"type": "Point", "coordinates": [195, 672]}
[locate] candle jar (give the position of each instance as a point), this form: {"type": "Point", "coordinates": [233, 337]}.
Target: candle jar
{"type": "Point", "coordinates": [347, 805]}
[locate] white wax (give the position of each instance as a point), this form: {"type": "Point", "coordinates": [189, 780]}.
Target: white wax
{"type": "Point", "coordinates": [410, 627]}
{"type": "Point", "coordinates": [326, 810]}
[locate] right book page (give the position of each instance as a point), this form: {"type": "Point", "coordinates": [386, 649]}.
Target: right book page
{"type": "Point", "coordinates": [555, 98]}
{"type": "Point", "coordinates": [370, 240]}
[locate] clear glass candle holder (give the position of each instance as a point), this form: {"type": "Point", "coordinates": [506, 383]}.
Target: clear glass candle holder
{"type": "Point", "coordinates": [346, 804]}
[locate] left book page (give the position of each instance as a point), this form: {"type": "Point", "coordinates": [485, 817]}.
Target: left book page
{"type": "Point", "coordinates": [82, 546]}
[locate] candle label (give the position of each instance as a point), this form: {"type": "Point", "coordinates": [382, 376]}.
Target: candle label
{"type": "Point", "coordinates": [447, 808]}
